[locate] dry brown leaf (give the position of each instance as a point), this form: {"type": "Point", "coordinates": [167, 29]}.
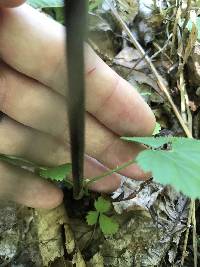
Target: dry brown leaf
{"type": "Point", "coordinates": [49, 224]}
{"type": "Point", "coordinates": [50, 235]}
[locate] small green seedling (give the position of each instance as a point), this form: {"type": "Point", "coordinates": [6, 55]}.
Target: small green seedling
{"type": "Point", "coordinates": [60, 173]}
{"type": "Point", "coordinates": [107, 224]}
{"type": "Point", "coordinates": [57, 173]}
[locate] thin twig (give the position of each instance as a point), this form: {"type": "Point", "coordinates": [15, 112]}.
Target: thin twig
{"type": "Point", "coordinates": [193, 209]}
{"type": "Point", "coordinates": [178, 15]}
{"type": "Point", "coordinates": [187, 115]}
{"type": "Point", "coordinates": [182, 94]}
{"type": "Point", "coordinates": [184, 254]}
{"type": "Point", "coordinates": [136, 64]}
{"type": "Point", "coordinates": [161, 49]}
{"type": "Point", "coordinates": [194, 235]}
{"type": "Point", "coordinates": [89, 181]}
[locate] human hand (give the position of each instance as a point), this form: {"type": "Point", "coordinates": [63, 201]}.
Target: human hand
{"type": "Point", "coordinates": [11, 3]}
{"type": "Point", "coordinates": [32, 97]}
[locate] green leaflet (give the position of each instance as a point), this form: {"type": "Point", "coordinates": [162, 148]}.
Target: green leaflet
{"type": "Point", "coordinates": [92, 217]}
{"type": "Point", "coordinates": [179, 166]}
{"type": "Point", "coordinates": [46, 3]}
{"type": "Point", "coordinates": [108, 225]}
{"type": "Point", "coordinates": [102, 205]}
{"type": "Point", "coordinates": [59, 173]}
{"type": "Point", "coordinates": [157, 129]}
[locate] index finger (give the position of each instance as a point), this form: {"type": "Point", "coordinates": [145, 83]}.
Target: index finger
{"type": "Point", "coordinates": [38, 51]}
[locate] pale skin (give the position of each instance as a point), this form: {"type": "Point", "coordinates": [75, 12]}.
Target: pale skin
{"type": "Point", "coordinates": [33, 99]}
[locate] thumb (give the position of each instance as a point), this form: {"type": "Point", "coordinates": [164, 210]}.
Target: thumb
{"type": "Point", "coordinates": [11, 3]}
